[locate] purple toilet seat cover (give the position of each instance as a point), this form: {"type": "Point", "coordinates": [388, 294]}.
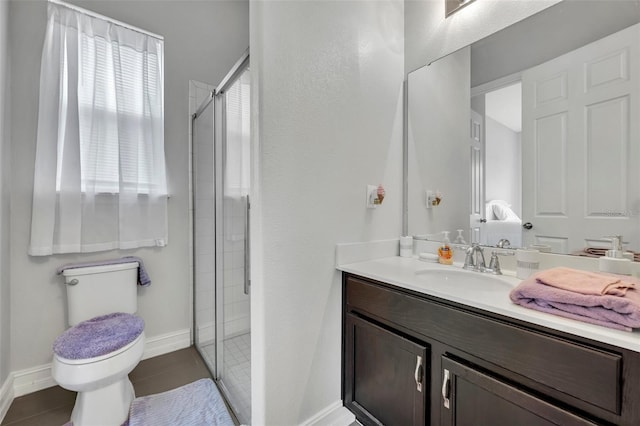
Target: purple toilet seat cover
{"type": "Point", "coordinates": [98, 336]}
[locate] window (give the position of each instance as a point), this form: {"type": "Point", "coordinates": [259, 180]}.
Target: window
{"type": "Point", "coordinates": [99, 180]}
{"type": "Point", "coordinates": [116, 83]}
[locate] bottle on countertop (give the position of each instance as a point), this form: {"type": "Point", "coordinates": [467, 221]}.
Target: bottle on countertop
{"type": "Point", "coordinates": [445, 253]}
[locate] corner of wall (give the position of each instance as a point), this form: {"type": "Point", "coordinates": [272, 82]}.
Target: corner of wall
{"type": "Point", "coordinates": [5, 173]}
{"type": "Point", "coordinates": [6, 395]}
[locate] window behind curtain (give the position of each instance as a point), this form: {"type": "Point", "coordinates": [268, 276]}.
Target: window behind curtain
{"type": "Point", "coordinates": [99, 180]}
{"type": "Point", "coordinates": [112, 83]}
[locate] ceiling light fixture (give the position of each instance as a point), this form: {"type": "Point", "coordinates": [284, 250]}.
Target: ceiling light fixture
{"type": "Point", "coordinates": [451, 6]}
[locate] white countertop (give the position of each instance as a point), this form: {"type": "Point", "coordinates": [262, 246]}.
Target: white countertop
{"type": "Point", "coordinates": [493, 296]}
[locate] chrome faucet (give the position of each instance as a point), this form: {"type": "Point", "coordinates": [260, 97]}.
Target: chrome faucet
{"type": "Point", "coordinates": [474, 259]}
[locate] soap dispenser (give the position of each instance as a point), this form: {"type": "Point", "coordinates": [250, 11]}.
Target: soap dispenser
{"type": "Point", "coordinates": [445, 254]}
{"type": "Point", "coordinates": [614, 261]}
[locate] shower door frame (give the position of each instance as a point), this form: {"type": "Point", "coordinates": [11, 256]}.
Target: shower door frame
{"type": "Point", "coordinates": [218, 103]}
{"type": "Point", "coordinates": [204, 106]}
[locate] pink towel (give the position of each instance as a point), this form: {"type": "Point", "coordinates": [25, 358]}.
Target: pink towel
{"type": "Point", "coordinates": [619, 312]}
{"type": "Point", "coordinates": [585, 282]}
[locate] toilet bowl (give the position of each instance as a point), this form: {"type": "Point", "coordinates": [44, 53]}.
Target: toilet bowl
{"type": "Point", "coordinates": [104, 344]}
{"type": "Point", "coordinates": [104, 390]}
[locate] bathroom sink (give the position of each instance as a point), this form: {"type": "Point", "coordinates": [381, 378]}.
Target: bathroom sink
{"type": "Point", "coordinates": [464, 281]}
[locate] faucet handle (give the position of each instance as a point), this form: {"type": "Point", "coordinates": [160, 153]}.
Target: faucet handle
{"type": "Point", "coordinates": [494, 264]}
{"type": "Point", "coordinates": [469, 262]}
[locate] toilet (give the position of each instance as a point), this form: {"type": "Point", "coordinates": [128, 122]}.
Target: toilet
{"type": "Point", "coordinates": [104, 344]}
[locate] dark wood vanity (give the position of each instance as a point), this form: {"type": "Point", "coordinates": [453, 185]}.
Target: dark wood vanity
{"type": "Point", "coordinates": [414, 359]}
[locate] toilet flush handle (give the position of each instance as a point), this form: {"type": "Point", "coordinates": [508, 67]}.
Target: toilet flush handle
{"type": "Point", "coordinates": [73, 282]}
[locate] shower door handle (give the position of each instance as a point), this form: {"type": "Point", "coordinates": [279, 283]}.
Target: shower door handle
{"type": "Point", "coordinates": [247, 247]}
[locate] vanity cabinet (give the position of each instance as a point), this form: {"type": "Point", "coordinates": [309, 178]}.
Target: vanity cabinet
{"type": "Point", "coordinates": [471, 398]}
{"type": "Point", "coordinates": [478, 368]}
{"type": "Point", "coordinates": [386, 374]}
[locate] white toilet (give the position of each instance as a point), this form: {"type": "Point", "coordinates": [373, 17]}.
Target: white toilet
{"type": "Point", "coordinates": [105, 342]}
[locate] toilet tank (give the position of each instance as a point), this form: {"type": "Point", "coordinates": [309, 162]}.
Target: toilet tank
{"type": "Point", "coordinates": [101, 290]}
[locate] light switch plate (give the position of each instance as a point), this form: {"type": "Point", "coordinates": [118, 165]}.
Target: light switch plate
{"type": "Point", "coordinates": [372, 193]}
{"type": "Point", "coordinates": [428, 196]}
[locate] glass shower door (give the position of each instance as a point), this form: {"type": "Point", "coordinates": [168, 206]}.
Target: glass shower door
{"type": "Point", "coordinates": [233, 300]}
{"type": "Point", "coordinates": [221, 188]}
{"type": "Point", "coordinates": [204, 233]}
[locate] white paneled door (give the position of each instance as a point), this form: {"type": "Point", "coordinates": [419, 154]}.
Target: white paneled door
{"type": "Point", "coordinates": [580, 139]}
{"type": "Point", "coordinates": [476, 149]}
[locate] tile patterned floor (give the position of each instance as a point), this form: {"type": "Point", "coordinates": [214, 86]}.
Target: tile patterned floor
{"type": "Point", "coordinates": [236, 373]}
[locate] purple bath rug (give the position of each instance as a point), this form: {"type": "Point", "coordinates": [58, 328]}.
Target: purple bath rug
{"type": "Point", "coordinates": [196, 404]}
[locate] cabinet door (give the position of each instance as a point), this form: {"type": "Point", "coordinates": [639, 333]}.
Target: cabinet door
{"type": "Point", "coordinates": [470, 397]}
{"type": "Point", "coordinates": [386, 377]}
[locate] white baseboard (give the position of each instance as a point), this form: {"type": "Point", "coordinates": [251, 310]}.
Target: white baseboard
{"type": "Point", "coordinates": [38, 378]}
{"type": "Point", "coordinates": [333, 415]}
{"type": "Point", "coordinates": [165, 343]}
{"type": "Point", "coordinates": [6, 396]}
{"type": "Point", "coordinates": [32, 380]}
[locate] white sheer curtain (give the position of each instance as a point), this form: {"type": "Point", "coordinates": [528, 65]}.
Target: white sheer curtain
{"type": "Point", "coordinates": [99, 180]}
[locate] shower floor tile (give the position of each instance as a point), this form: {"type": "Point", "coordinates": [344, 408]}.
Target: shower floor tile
{"type": "Point", "coordinates": [235, 375]}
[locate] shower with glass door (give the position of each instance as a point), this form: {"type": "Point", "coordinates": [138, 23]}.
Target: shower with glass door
{"type": "Point", "coordinates": [221, 203]}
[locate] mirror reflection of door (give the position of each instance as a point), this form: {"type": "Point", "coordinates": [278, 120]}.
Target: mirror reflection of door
{"type": "Point", "coordinates": [502, 159]}
{"type": "Point", "coordinates": [580, 138]}
{"type": "Point", "coordinates": [476, 150]}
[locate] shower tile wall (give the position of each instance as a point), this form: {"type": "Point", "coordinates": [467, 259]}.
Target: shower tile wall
{"type": "Point", "coordinates": [203, 193]}
{"type": "Point", "coordinates": [236, 303]}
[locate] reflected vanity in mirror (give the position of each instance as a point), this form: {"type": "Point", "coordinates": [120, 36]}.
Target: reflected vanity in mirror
{"type": "Point", "coordinates": [533, 133]}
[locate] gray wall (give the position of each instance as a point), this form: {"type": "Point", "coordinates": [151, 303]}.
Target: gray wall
{"type": "Point", "coordinates": [327, 110]}
{"type": "Point", "coordinates": [203, 39]}
{"type": "Point", "coordinates": [503, 164]}
{"type": "Point", "coordinates": [4, 193]}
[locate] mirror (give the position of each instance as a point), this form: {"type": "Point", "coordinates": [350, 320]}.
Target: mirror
{"type": "Point", "coordinates": [532, 134]}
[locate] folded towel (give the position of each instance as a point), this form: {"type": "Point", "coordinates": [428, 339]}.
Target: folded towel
{"type": "Point", "coordinates": [586, 282]}
{"type": "Point", "coordinates": [619, 312]}
{"type": "Point", "coordinates": [599, 252]}
{"type": "Point", "coordinates": [143, 276]}
{"type": "Point", "coordinates": [596, 251]}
